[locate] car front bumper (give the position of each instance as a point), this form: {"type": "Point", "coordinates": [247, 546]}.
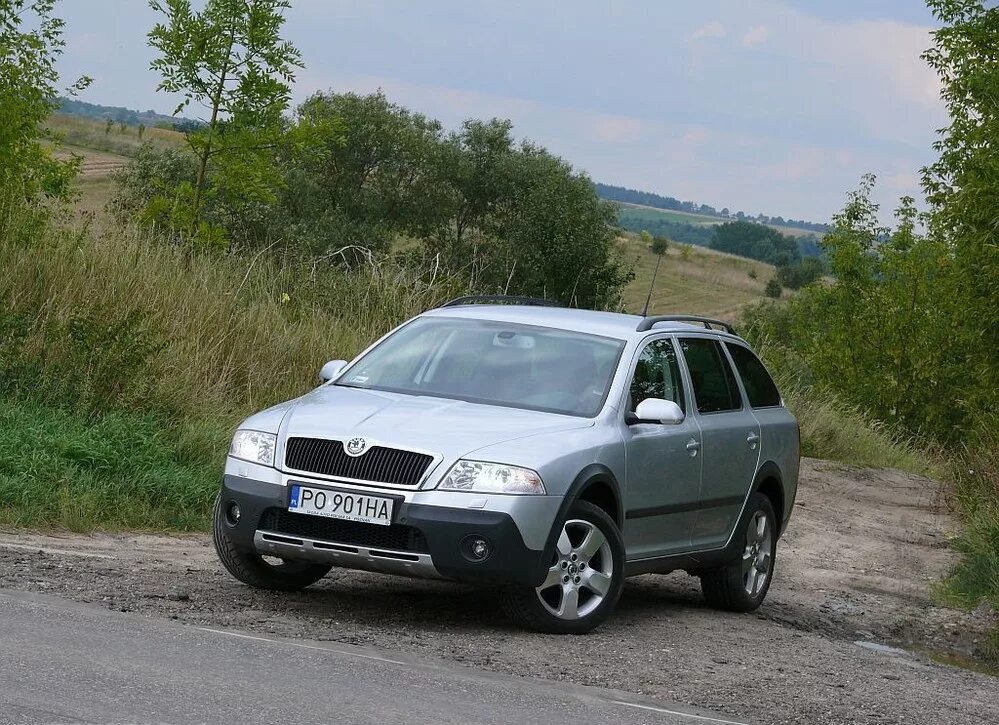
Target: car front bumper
{"type": "Point", "coordinates": [426, 536]}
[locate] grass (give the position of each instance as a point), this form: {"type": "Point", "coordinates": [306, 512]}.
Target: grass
{"type": "Point", "coordinates": [116, 470]}
{"type": "Point", "coordinates": [90, 134]}
{"type": "Point", "coordinates": [694, 280]}
{"type": "Point", "coordinates": [834, 431]}
{"type": "Point", "coordinates": [642, 214]}
{"type": "Point", "coordinates": [976, 497]}
{"type": "Point", "coordinates": [148, 355]}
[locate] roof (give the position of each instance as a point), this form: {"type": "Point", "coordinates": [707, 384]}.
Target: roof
{"type": "Point", "coordinates": [608, 324]}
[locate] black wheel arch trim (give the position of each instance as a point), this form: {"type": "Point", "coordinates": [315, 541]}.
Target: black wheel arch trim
{"type": "Point", "coordinates": [591, 474]}
{"type": "Point", "coordinates": [771, 470]}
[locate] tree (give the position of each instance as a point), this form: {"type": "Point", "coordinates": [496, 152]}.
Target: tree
{"type": "Point", "coordinates": [659, 245]}
{"type": "Point", "coordinates": [962, 187]}
{"type": "Point", "coordinates": [755, 241]}
{"type": "Point", "coordinates": [229, 58]}
{"type": "Point", "coordinates": [555, 236]}
{"type": "Point", "coordinates": [772, 288]}
{"type": "Point", "coordinates": [797, 275]}
{"type": "Point", "coordinates": [28, 96]}
{"type": "Point", "coordinates": [362, 169]}
{"type": "Point", "coordinates": [880, 335]}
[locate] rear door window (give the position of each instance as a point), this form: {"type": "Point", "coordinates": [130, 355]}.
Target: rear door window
{"type": "Point", "coordinates": [715, 389]}
{"type": "Point", "coordinates": [760, 388]}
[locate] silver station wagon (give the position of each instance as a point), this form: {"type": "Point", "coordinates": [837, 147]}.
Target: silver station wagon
{"type": "Point", "coordinates": [542, 451]}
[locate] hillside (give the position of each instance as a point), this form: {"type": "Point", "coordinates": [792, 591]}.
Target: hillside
{"type": "Point", "coordinates": [633, 197]}
{"type": "Point", "coordinates": [690, 228]}
{"type": "Point", "coordinates": [695, 280]}
{"type": "Point", "coordinates": [82, 109]}
{"type": "Point", "coordinates": [103, 150]}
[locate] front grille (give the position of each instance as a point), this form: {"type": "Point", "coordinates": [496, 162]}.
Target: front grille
{"type": "Point", "coordinates": [377, 464]}
{"type": "Point", "coordinates": [395, 536]}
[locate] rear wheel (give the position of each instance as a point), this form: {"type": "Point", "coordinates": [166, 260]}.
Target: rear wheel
{"type": "Point", "coordinates": [583, 581]}
{"type": "Point", "coordinates": [742, 585]}
{"type": "Point", "coordinates": [251, 568]}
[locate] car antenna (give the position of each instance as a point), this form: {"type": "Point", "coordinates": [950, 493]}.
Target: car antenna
{"type": "Point", "coordinates": [645, 310]}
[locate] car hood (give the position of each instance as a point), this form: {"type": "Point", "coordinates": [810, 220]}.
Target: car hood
{"type": "Point", "coordinates": [440, 426]}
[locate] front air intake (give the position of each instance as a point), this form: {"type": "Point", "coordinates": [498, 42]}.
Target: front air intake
{"type": "Point", "coordinates": [376, 465]}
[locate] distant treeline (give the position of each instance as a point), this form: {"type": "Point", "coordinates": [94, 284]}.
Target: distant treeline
{"type": "Point", "coordinates": [120, 114]}
{"type": "Point", "coordinates": [645, 198]}
{"type": "Point", "coordinates": [705, 235]}
{"type": "Point", "coordinates": [699, 234]}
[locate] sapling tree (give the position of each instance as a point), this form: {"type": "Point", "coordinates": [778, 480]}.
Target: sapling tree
{"type": "Point", "coordinates": [229, 59]}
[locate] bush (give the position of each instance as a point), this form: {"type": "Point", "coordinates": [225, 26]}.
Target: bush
{"type": "Point", "coordinates": [799, 274]}
{"type": "Point", "coordinates": [773, 289]}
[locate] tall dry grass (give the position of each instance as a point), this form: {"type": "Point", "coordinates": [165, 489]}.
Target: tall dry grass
{"type": "Point", "coordinates": [229, 334]}
{"type": "Point", "coordinates": [125, 361]}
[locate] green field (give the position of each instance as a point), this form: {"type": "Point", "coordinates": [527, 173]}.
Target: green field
{"type": "Point", "coordinates": [649, 215]}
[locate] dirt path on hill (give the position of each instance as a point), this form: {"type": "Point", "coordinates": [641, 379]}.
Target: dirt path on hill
{"type": "Point", "coordinates": [844, 636]}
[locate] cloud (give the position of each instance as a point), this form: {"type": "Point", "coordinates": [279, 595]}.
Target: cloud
{"type": "Point", "coordinates": [755, 36]}
{"type": "Point", "coordinates": [713, 29]}
{"type": "Point", "coordinates": [904, 182]}
{"type": "Point", "coordinates": [695, 136]}
{"type": "Point", "coordinates": [615, 128]}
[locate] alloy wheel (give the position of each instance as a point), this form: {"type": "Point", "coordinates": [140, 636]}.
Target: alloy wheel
{"type": "Point", "coordinates": [580, 577]}
{"type": "Point", "coordinates": [757, 559]}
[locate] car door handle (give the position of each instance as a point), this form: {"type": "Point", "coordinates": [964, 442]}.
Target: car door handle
{"type": "Point", "coordinates": [693, 446]}
{"type": "Point", "coordinates": [752, 439]}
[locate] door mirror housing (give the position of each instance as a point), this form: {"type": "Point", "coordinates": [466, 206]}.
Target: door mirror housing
{"type": "Point", "coordinates": [331, 369]}
{"type": "Point", "coordinates": [657, 410]}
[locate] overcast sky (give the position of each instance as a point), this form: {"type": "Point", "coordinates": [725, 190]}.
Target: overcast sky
{"type": "Point", "coordinates": [774, 107]}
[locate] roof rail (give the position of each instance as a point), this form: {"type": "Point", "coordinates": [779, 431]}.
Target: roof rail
{"type": "Point", "coordinates": [648, 322]}
{"type": "Point", "coordinates": [502, 299]}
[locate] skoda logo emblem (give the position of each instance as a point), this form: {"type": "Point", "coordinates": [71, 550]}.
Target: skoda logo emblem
{"type": "Point", "coordinates": [355, 446]}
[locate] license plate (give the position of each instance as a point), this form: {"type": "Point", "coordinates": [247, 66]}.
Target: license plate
{"type": "Point", "coordinates": [341, 505]}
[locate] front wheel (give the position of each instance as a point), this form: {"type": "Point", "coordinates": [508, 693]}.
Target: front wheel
{"type": "Point", "coordinates": [251, 568]}
{"type": "Point", "coordinates": [742, 585]}
{"type": "Point", "coordinates": [584, 578]}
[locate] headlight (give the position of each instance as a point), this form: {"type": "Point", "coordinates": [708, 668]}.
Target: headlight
{"type": "Point", "coordinates": [253, 446]}
{"type": "Point", "coordinates": [481, 477]}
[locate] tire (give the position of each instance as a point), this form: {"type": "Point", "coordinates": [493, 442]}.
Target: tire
{"type": "Point", "coordinates": [251, 568]}
{"type": "Point", "coordinates": [742, 585]}
{"type": "Point", "coordinates": [584, 582]}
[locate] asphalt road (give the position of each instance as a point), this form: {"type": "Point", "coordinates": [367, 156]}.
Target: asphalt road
{"type": "Point", "coordinates": [62, 662]}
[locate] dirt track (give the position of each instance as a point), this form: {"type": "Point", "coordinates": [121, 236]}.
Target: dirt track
{"type": "Point", "coordinates": [852, 583]}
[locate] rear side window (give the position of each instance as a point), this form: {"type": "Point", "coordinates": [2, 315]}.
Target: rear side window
{"type": "Point", "coordinates": [760, 388]}
{"type": "Point", "coordinates": [657, 375]}
{"type": "Point", "coordinates": [711, 376]}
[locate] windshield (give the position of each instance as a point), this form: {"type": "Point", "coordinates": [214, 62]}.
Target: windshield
{"type": "Point", "coordinates": [518, 366]}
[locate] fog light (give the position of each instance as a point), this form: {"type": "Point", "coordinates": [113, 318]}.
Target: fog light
{"type": "Point", "coordinates": [233, 513]}
{"type": "Point", "coordinates": [476, 548]}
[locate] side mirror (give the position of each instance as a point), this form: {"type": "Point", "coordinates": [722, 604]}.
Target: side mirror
{"type": "Point", "coordinates": [330, 370]}
{"type": "Point", "coordinates": [657, 410]}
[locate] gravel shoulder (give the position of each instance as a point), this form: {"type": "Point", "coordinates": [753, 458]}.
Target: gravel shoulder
{"type": "Point", "coordinates": [844, 636]}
